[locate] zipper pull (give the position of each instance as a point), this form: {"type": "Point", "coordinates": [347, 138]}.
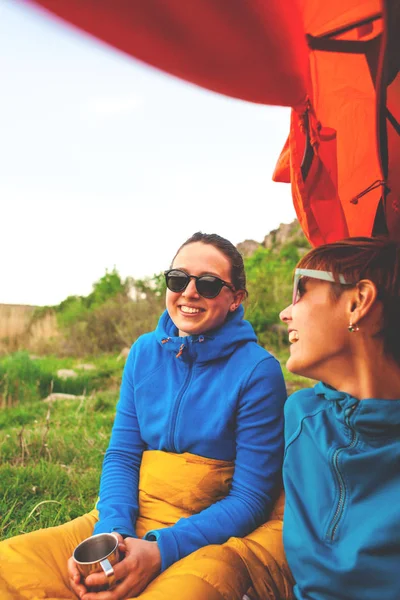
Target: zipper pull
{"type": "Point", "coordinates": [349, 412]}
{"type": "Point", "coordinates": [165, 340]}
{"type": "Point", "coordinates": [182, 346]}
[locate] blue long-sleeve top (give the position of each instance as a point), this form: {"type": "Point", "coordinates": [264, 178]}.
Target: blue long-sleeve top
{"type": "Point", "coordinates": [219, 395]}
{"type": "Point", "coordinates": [342, 483]}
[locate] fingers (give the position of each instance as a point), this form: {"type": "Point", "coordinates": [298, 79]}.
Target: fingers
{"type": "Point", "coordinates": [122, 547]}
{"type": "Point", "coordinates": [75, 579]}
{"type": "Point", "coordinates": [100, 579]}
{"type": "Point", "coordinates": [133, 573]}
{"type": "Point", "coordinates": [120, 592]}
{"type": "Point", "coordinates": [121, 542]}
{"type": "Point", "coordinates": [79, 590]}
{"type": "Point", "coordinates": [126, 587]}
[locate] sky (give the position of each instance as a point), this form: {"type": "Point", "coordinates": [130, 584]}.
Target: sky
{"type": "Point", "coordinates": [107, 162]}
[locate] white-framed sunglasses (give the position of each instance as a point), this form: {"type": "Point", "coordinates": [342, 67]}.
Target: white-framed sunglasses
{"type": "Point", "coordinates": [314, 274]}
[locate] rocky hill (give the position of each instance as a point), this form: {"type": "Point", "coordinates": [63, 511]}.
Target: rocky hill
{"type": "Point", "coordinates": [285, 234]}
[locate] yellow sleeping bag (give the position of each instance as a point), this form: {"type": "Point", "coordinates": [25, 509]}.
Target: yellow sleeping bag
{"type": "Point", "coordinates": [33, 566]}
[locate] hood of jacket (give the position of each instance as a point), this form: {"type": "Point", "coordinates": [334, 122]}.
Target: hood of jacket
{"type": "Point", "coordinates": [373, 417]}
{"type": "Point", "coordinates": [207, 346]}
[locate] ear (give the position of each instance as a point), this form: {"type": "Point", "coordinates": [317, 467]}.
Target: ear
{"type": "Point", "coordinates": [362, 300]}
{"type": "Point", "coordinates": [238, 298]}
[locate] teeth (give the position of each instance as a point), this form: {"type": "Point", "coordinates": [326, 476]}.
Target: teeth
{"type": "Point", "coordinates": [189, 309]}
{"type": "Point", "coordinates": [293, 337]}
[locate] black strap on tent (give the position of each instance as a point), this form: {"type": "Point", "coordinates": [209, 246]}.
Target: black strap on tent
{"type": "Point", "coordinates": [346, 28]}
{"type": "Point", "coordinates": [308, 155]}
{"type": "Point", "coordinates": [345, 46]}
{"type": "Point", "coordinates": [325, 43]}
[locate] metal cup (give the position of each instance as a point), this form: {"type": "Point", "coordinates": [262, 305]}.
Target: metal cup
{"type": "Point", "coordinates": [96, 553]}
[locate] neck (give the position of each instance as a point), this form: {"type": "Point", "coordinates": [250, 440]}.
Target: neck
{"type": "Point", "coordinates": [364, 375]}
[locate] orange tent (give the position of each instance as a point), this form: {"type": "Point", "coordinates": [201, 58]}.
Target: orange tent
{"type": "Point", "coordinates": [336, 63]}
{"type": "Point", "coordinates": [344, 180]}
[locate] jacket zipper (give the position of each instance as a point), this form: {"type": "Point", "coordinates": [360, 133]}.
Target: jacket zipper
{"type": "Point", "coordinates": [178, 402]}
{"type": "Point", "coordinates": [342, 489]}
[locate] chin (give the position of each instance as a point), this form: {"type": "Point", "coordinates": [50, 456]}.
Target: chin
{"type": "Point", "coordinates": [292, 367]}
{"type": "Point", "coordinates": [298, 368]}
{"type": "Point", "coordinates": [188, 329]}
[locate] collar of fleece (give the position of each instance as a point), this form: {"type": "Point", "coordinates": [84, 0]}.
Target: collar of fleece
{"type": "Point", "coordinates": [207, 346]}
{"type": "Point", "coordinates": [373, 417]}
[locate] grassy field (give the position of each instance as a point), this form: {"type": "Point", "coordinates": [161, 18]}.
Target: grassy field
{"type": "Point", "coordinates": [51, 452]}
{"type": "Point", "coordinates": [50, 460]}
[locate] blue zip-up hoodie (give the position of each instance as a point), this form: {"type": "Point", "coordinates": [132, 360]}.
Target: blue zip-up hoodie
{"type": "Point", "coordinates": [219, 395]}
{"type": "Point", "coordinates": [342, 481]}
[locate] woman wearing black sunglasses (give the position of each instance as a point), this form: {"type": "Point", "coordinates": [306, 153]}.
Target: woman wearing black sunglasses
{"type": "Point", "coordinates": [196, 449]}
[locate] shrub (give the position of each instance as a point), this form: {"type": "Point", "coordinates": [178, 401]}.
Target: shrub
{"type": "Point", "coordinates": [269, 281]}
{"type": "Point", "coordinates": [19, 377]}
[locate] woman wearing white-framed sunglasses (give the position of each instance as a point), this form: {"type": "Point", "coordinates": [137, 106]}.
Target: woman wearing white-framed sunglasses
{"type": "Point", "coordinates": [342, 437]}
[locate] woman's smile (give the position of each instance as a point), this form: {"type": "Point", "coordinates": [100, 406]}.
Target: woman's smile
{"type": "Point", "coordinates": [190, 310]}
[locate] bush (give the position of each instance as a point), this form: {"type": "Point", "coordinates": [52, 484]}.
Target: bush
{"type": "Point", "coordinates": [269, 281]}
{"type": "Point", "coordinates": [115, 324]}
{"type": "Point", "coordinates": [107, 319]}
{"type": "Point", "coordinates": [19, 377]}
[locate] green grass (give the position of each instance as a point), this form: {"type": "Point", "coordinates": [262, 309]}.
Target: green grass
{"type": "Point", "coordinates": [23, 379]}
{"type": "Point", "coordinates": [50, 461]}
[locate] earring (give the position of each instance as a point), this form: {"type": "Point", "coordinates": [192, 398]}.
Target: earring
{"type": "Point", "coordinates": [353, 328]}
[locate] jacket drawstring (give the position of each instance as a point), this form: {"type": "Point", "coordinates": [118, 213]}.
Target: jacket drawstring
{"type": "Point", "coordinates": [180, 351]}
{"type": "Point", "coordinates": [182, 346]}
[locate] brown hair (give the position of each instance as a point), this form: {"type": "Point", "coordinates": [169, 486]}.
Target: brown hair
{"type": "Point", "coordinates": [238, 274]}
{"type": "Point", "coordinates": [376, 259]}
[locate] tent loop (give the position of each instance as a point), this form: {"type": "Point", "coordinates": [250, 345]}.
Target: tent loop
{"type": "Point", "coordinates": [311, 128]}
{"type": "Point", "coordinates": [373, 186]}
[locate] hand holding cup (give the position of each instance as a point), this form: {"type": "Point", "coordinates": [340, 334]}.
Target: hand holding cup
{"type": "Point", "coordinates": [98, 553]}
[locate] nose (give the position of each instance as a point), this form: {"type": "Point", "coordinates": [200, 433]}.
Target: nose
{"type": "Point", "coordinates": [191, 290]}
{"type": "Point", "coordinates": [286, 314]}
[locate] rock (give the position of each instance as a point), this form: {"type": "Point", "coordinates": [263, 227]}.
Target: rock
{"type": "Point", "coordinates": [248, 247]}
{"type": "Point", "coordinates": [286, 233]}
{"type": "Point", "coordinates": [66, 373]}
{"type": "Point", "coordinates": [276, 239]}
{"type": "Point", "coordinates": [55, 396]}
{"type": "Point", "coordinates": [86, 367]}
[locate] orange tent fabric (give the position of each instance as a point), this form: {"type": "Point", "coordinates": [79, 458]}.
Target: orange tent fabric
{"type": "Point", "coordinates": [341, 154]}
{"type": "Point", "coordinates": [226, 46]}
{"type": "Point", "coordinates": [336, 63]}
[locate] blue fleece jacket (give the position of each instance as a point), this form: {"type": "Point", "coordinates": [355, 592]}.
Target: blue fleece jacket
{"type": "Point", "coordinates": [218, 395]}
{"type": "Point", "coordinates": [342, 482]}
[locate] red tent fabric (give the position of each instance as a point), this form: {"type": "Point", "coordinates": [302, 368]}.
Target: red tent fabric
{"type": "Point", "coordinates": [229, 46]}
{"type": "Point", "coordinates": [336, 63]}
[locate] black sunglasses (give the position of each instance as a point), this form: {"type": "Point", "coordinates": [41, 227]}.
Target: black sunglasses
{"type": "Point", "coordinates": [208, 286]}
